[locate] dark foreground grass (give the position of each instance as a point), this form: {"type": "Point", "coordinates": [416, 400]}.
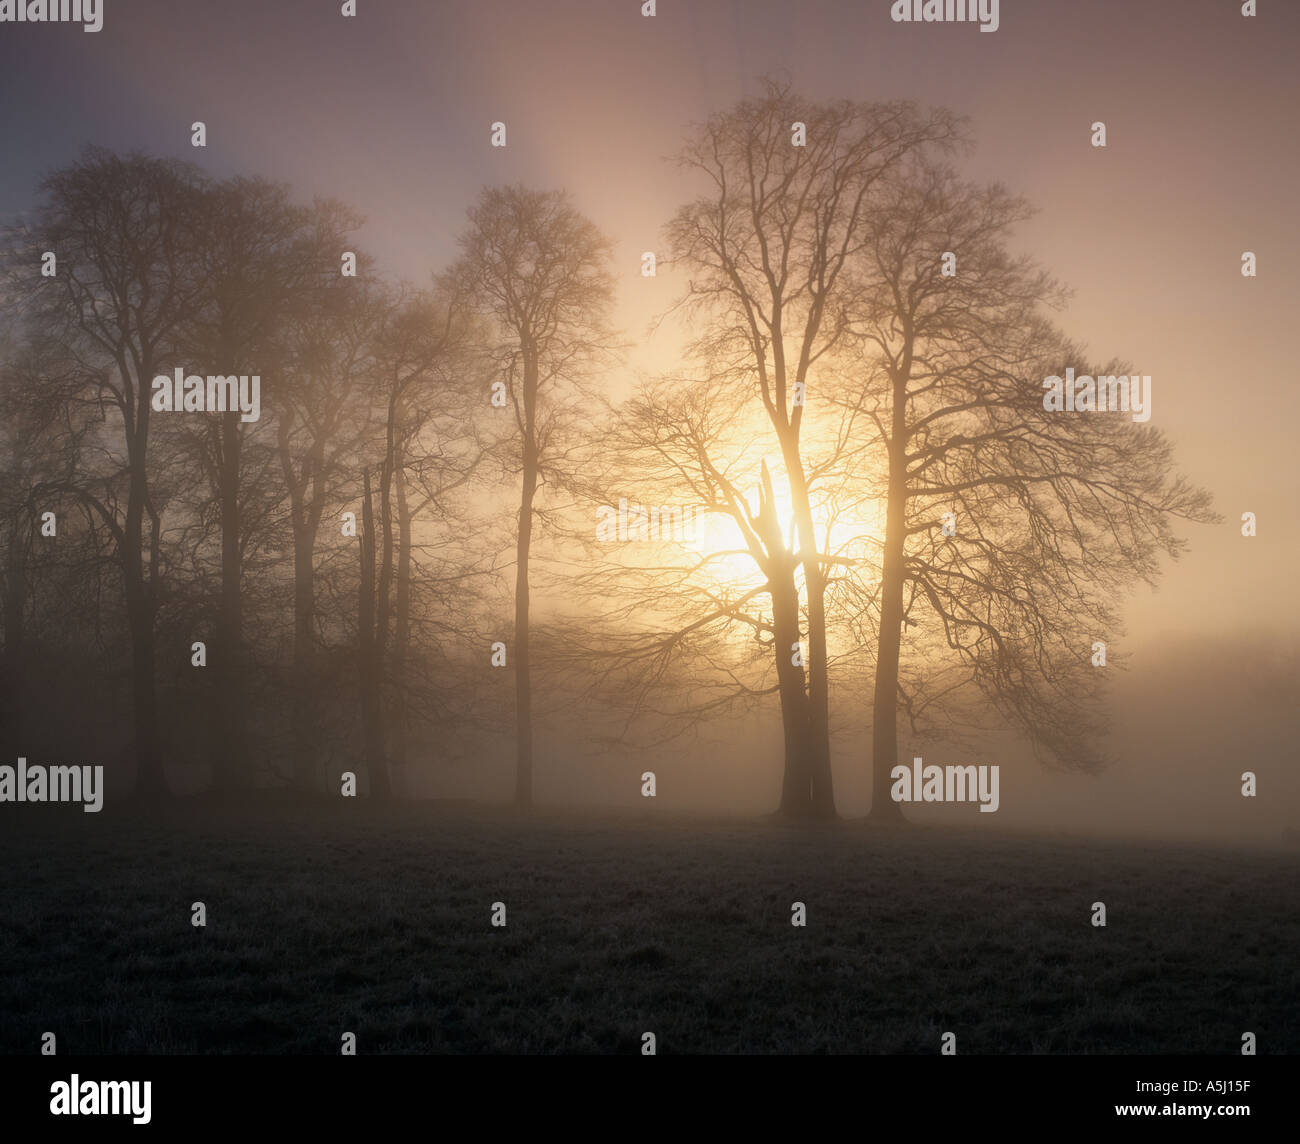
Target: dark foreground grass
{"type": "Point", "coordinates": [347, 917]}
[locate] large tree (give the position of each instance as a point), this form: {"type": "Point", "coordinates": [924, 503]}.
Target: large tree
{"type": "Point", "coordinates": [1054, 514]}
{"type": "Point", "coordinates": [792, 188]}
{"type": "Point", "coordinates": [695, 613]}
{"type": "Point", "coordinates": [124, 232]}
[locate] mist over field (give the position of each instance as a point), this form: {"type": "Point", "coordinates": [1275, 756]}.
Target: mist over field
{"type": "Point", "coordinates": [1175, 756]}
{"type": "Point", "coordinates": [611, 527]}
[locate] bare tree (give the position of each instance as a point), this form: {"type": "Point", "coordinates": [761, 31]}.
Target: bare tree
{"type": "Point", "coordinates": [38, 463]}
{"type": "Point", "coordinates": [436, 452]}
{"type": "Point", "coordinates": [263, 258]}
{"type": "Point", "coordinates": [700, 614]}
{"type": "Point", "coordinates": [321, 416]}
{"type": "Point", "coordinates": [792, 188]}
{"type": "Point", "coordinates": [536, 268]}
{"type": "Point", "coordinates": [123, 230]}
{"type": "Point", "coordinates": [1054, 513]}
{"type": "Point", "coordinates": [418, 397]}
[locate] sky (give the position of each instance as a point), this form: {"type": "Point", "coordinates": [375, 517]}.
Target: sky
{"type": "Point", "coordinates": [391, 111]}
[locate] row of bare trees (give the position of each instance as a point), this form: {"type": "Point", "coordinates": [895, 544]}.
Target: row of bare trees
{"type": "Point", "coordinates": [843, 395]}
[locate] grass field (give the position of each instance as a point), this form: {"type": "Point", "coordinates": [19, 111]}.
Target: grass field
{"type": "Point", "coordinates": [346, 917]}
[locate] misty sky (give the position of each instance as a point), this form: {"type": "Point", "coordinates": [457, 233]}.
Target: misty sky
{"type": "Point", "coordinates": [391, 112]}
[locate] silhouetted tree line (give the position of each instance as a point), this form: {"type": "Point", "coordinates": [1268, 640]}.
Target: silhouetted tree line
{"type": "Point", "coordinates": [838, 370]}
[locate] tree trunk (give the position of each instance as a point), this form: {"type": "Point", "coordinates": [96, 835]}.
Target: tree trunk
{"type": "Point", "coordinates": [401, 631]}
{"type": "Point", "coordinates": [796, 789]}
{"type": "Point", "coordinates": [523, 682]}
{"type": "Point", "coordinates": [384, 591]}
{"type": "Point", "coordinates": [823, 783]}
{"type": "Point", "coordinates": [307, 500]}
{"type": "Point", "coordinates": [372, 727]}
{"type": "Point", "coordinates": [151, 780]}
{"type": "Point", "coordinates": [305, 723]}
{"type": "Point", "coordinates": [819, 719]}
{"type": "Point", "coordinates": [232, 764]}
{"type": "Point", "coordinates": [884, 735]}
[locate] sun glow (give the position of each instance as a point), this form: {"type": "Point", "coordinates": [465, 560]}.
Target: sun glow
{"type": "Point", "coordinates": [853, 537]}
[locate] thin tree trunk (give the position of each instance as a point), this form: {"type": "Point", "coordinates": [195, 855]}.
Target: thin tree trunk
{"type": "Point", "coordinates": [823, 782]}
{"type": "Point", "coordinates": [305, 516]}
{"type": "Point", "coordinates": [372, 728]}
{"type": "Point", "coordinates": [384, 591]}
{"type": "Point", "coordinates": [523, 682]}
{"type": "Point", "coordinates": [401, 629]}
{"type": "Point", "coordinates": [884, 736]}
{"type": "Point", "coordinates": [233, 772]}
{"type": "Point", "coordinates": [151, 781]}
{"type": "Point", "coordinates": [305, 733]}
